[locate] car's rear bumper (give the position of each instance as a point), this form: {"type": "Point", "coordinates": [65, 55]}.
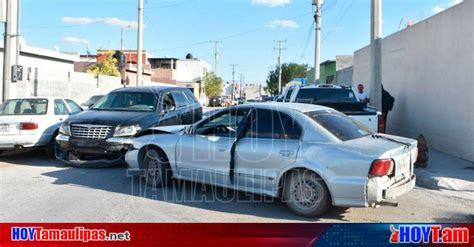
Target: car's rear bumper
{"type": "Point", "coordinates": [378, 190]}
{"type": "Point", "coordinates": [10, 142]}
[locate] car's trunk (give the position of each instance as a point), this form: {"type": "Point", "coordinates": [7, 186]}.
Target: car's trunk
{"type": "Point", "coordinates": [10, 125]}
{"type": "Point", "coordinates": [402, 150]}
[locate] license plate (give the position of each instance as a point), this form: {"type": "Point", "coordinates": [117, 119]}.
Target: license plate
{"type": "Point", "coordinates": [4, 128]}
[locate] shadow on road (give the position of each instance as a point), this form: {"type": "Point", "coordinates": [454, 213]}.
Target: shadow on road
{"type": "Point", "coordinates": [185, 193]}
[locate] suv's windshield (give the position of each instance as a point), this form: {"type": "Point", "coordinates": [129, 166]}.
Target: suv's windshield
{"type": "Point", "coordinates": [24, 107]}
{"type": "Point", "coordinates": [342, 126]}
{"type": "Point", "coordinates": [329, 95]}
{"type": "Point", "coordinates": [127, 101]}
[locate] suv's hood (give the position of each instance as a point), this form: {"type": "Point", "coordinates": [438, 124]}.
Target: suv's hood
{"type": "Point", "coordinates": [111, 118]}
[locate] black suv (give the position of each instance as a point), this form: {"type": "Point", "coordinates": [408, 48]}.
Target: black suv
{"type": "Point", "coordinates": [87, 139]}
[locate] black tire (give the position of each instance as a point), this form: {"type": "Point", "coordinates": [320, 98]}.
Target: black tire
{"type": "Point", "coordinates": [157, 169]}
{"type": "Point", "coordinates": [52, 147]}
{"type": "Point", "coordinates": [306, 194]}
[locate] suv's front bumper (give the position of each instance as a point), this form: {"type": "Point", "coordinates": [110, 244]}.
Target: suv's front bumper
{"type": "Point", "coordinates": [106, 152]}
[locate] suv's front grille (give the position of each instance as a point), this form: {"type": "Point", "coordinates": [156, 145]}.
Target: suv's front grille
{"type": "Point", "coordinates": [88, 131]}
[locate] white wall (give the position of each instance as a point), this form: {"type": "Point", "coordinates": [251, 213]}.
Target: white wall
{"type": "Point", "coordinates": [429, 70]}
{"type": "Point", "coordinates": [190, 70]}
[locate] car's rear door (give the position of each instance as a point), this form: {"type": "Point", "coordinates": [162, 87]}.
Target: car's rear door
{"type": "Point", "coordinates": [184, 109]}
{"type": "Point", "coordinates": [270, 144]}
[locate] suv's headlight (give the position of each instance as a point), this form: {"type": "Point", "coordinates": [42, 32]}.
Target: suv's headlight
{"type": "Point", "coordinates": [64, 129]}
{"type": "Point", "coordinates": [121, 131]}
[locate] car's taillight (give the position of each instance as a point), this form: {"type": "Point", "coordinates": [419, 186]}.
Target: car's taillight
{"type": "Point", "coordinates": [381, 124]}
{"type": "Point", "coordinates": [381, 168]}
{"type": "Point", "coordinates": [28, 126]}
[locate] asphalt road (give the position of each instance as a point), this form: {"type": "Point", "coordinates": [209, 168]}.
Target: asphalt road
{"type": "Point", "coordinates": [35, 189]}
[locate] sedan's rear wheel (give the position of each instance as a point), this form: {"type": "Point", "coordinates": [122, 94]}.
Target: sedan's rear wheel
{"type": "Point", "coordinates": [157, 172]}
{"type": "Point", "coordinates": [306, 194]}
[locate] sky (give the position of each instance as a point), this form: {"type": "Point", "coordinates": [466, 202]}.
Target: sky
{"type": "Point", "coordinates": [248, 29]}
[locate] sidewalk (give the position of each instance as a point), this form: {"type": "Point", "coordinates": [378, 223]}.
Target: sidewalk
{"type": "Point", "coordinates": [449, 174]}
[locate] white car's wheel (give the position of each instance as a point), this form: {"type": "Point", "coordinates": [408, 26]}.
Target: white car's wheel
{"type": "Point", "coordinates": [52, 149]}
{"type": "Point", "coordinates": [306, 194]}
{"type": "Point", "coordinates": [157, 172]}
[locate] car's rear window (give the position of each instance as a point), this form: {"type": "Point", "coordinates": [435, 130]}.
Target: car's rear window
{"type": "Point", "coordinates": [340, 125]}
{"type": "Point", "coordinates": [127, 101]}
{"type": "Point", "coordinates": [24, 107]}
{"type": "Point", "coordinates": [314, 95]}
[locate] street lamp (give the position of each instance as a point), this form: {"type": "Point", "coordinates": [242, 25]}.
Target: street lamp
{"type": "Point", "coordinates": [130, 26]}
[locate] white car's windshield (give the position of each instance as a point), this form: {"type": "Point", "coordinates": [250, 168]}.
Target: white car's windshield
{"type": "Point", "coordinates": [127, 101]}
{"type": "Point", "coordinates": [342, 126]}
{"type": "Point", "coordinates": [24, 107]}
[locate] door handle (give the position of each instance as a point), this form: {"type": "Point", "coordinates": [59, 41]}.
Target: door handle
{"type": "Point", "coordinates": [222, 149]}
{"type": "Point", "coordinates": [286, 153]}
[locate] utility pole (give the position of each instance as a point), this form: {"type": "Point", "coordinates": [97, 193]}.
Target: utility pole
{"type": "Point", "coordinates": [216, 54]}
{"type": "Point", "coordinates": [11, 47]}
{"type": "Point", "coordinates": [140, 44]}
{"type": "Point", "coordinates": [317, 46]}
{"type": "Point", "coordinates": [242, 78]}
{"type": "Point", "coordinates": [376, 55]}
{"type": "Point", "coordinates": [233, 80]}
{"type": "Point", "coordinates": [280, 60]}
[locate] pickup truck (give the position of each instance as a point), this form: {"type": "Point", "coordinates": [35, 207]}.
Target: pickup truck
{"type": "Point", "coordinates": [342, 99]}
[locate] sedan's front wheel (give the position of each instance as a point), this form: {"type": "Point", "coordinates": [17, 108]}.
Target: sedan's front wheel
{"type": "Point", "coordinates": [157, 172]}
{"type": "Point", "coordinates": [306, 194]}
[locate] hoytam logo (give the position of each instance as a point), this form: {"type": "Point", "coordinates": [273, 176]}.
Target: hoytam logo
{"type": "Point", "coordinates": [435, 234]}
{"type": "Point", "coordinates": [77, 234]}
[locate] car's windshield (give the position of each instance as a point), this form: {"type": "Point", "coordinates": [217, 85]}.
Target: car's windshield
{"type": "Point", "coordinates": [24, 107]}
{"type": "Point", "coordinates": [127, 101]}
{"type": "Point", "coordinates": [93, 100]}
{"type": "Point", "coordinates": [340, 125]}
{"type": "Point", "coordinates": [315, 95]}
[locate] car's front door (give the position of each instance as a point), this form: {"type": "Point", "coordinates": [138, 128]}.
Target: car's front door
{"type": "Point", "coordinates": [270, 144]}
{"type": "Point", "coordinates": [168, 110]}
{"type": "Point", "coordinates": [205, 154]}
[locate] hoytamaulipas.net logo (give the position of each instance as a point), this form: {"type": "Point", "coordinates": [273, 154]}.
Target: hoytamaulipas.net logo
{"type": "Point", "coordinates": [429, 234]}
{"type": "Point", "coordinates": [75, 234]}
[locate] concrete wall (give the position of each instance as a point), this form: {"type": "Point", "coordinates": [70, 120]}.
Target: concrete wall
{"type": "Point", "coordinates": [428, 68]}
{"type": "Point", "coordinates": [74, 85]}
{"type": "Point", "coordinates": [344, 76]}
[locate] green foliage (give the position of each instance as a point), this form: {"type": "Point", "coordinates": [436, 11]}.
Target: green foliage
{"type": "Point", "coordinates": [289, 71]}
{"type": "Point", "coordinates": [213, 85]}
{"type": "Point", "coordinates": [105, 67]}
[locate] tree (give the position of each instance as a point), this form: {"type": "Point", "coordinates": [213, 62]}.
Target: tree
{"type": "Point", "coordinates": [289, 71]}
{"type": "Point", "coordinates": [107, 66]}
{"type": "Point", "coordinates": [212, 85]}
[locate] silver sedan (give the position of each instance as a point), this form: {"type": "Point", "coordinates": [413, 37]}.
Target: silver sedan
{"type": "Point", "coordinates": [310, 156]}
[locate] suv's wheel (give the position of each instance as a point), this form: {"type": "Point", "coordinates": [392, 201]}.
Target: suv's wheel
{"type": "Point", "coordinates": [157, 171]}
{"type": "Point", "coordinates": [52, 149]}
{"type": "Point", "coordinates": [306, 194]}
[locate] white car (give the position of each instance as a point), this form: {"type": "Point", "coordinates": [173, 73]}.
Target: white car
{"type": "Point", "coordinates": [33, 122]}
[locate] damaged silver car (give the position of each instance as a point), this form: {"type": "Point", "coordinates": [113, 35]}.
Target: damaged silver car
{"type": "Point", "coordinates": [312, 157]}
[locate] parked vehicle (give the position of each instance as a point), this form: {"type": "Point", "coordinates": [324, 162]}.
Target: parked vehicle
{"type": "Point", "coordinates": [33, 122]}
{"type": "Point", "coordinates": [267, 98]}
{"type": "Point", "coordinates": [241, 100]}
{"type": "Point", "coordinates": [342, 99]}
{"type": "Point", "coordinates": [91, 101]}
{"type": "Point", "coordinates": [311, 156]}
{"type": "Point", "coordinates": [216, 101]}
{"type": "Point", "coordinates": [125, 113]}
